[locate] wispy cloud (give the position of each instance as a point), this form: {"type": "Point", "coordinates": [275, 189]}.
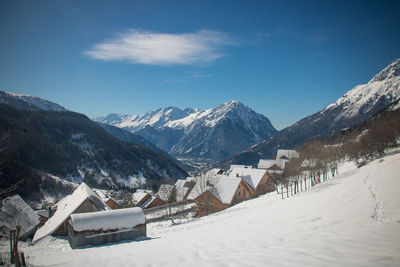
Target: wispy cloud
{"type": "Point", "coordinates": [191, 75]}
{"type": "Point", "coordinates": [144, 47]}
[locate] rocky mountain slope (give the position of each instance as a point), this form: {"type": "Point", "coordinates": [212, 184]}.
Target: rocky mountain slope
{"type": "Point", "coordinates": [191, 133]}
{"type": "Point", "coordinates": [356, 106]}
{"type": "Point", "coordinates": [129, 137]}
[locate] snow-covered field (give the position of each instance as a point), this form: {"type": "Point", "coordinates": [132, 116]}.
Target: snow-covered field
{"type": "Point", "coordinates": [351, 220]}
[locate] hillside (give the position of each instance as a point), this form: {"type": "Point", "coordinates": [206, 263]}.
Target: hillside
{"type": "Point", "coordinates": [350, 220]}
{"type": "Point", "coordinates": [129, 137]}
{"type": "Point", "coordinates": [358, 105]}
{"type": "Point", "coordinates": [71, 146]}
{"type": "Point", "coordinates": [215, 133]}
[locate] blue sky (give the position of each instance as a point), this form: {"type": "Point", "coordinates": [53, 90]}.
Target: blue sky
{"type": "Point", "coordinates": [284, 59]}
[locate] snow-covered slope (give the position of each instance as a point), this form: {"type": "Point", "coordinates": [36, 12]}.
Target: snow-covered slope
{"type": "Point", "coordinates": [351, 220]}
{"type": "Point", "coordinates": [214, 133]}
{"type": "Point", "coordinates": [358, 105]}
{"type": "Point", "coordinates": [28, 102]}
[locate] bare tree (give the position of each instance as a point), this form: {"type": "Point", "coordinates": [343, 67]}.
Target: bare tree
{"type": "Point", "coordinates": [12, 219]}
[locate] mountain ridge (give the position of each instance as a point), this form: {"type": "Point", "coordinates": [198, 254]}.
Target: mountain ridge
{"type": "Point", "coordinates": [27, 102]}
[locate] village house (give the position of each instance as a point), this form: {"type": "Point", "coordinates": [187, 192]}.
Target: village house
{"type": "Point", "coordinates": [152, 202]}
{"type": "Point", "coordinates": [284, 154]}
{"type": "Point", "coordinates": [15, 211]}
{"type": "Point", "coordinates": [259, 180]}
{"type": "Point", "coordinates": [112, 203]}
{"type": "Point", "coordinates": [272, 165]}
{"type": "Point", "coordinates": [218, 193]}
{"type": "Point", "coordinates": [102, 227]}
{"type": "Point", "coordinates": [82, 200]}
{"type": "Point", "coordinates": [140, 197]}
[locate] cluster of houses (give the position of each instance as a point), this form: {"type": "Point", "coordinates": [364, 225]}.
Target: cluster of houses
{"type": "Point", "coordinates": [91, 217]}
{"type": "Point", "coordinates": [217, 189]}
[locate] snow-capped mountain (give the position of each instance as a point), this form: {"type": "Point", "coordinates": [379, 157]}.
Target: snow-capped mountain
{"type": "Point", "coordinates": [214, 133]}
{"type": "Point", "coordinates": [379, 93]}
{"type": "Point", "coordinates": [359, 104]}
{"type": "Point", "coordinates": [27, 102]}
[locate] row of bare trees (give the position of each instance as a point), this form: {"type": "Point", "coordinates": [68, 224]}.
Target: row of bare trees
{"type": "Point", "coordinates": [319, 159]}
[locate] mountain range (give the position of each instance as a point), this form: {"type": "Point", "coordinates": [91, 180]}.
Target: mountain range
{"type": "Point", "coordinates": [38, 145]}
{"type": "Point", "coordinates": [215, 133]}
{"type": "Point", "coordinates": [354, 108]}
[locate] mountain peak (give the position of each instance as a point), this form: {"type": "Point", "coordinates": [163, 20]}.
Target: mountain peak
{"type": "Point", "coordinates": [230, 105]}
{"type": "Point", "coordinates": [391, 71]}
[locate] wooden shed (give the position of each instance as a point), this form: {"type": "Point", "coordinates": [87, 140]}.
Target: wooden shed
{"type": "Point", "coordinates": [102, 227]}
{"type": "Point", "coordinates": [82, 200]}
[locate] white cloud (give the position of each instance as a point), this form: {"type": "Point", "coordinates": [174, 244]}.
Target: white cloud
{"type": "Point", "coordinates": [143, 47]}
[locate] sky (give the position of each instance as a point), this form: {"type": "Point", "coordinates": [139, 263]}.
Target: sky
{"type": "Point", "coordinates": [284, 59]}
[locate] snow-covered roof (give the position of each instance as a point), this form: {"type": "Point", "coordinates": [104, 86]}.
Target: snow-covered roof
{"type": "Point", "coordinates": [139, 195]}
{"type": "Point", "coordinates": [67, 206]}
{"type": "Point", "coordinates": [182, 187]}
{"type": "Point", "coordinates": [286, 154]}
{"type": "Point", "coordinates": [108, 220]}
{"type": "Point", "coordinates": [15, 212]}
{"type": "Point", "coordinates": [149, 201]}
{"type": "Point", "coordinates": [251, 176]}
{"type": "Point", "coordinates": [103, 195]}
{"type": "Point", "coordinates": [225, 189]}
{"type": "Point", "coordinates": [164, 191]}
{"type": "Point", "coordinates": [221, 186]}
{"type": "Point", "coordinates": [269, 163]}
{"type": "Point", "coordinates": [203, 183]}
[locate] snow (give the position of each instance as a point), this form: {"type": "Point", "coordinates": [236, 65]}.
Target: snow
{"type": "Point", "coordinates": [351, 220]}
{"type": "Point", "coordinates": [65, 207]}
{"type": "Point", "coordinates": [108, 220]}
